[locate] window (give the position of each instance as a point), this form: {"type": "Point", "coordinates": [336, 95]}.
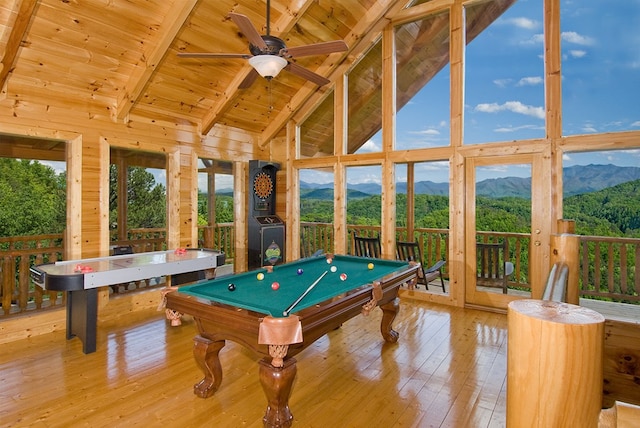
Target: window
{"type": "Point", "coordinates": [365, 103]}
{"type": "Point", "coordinates": [504, 72]}
{"type": "Point", "coordinates": [600, 66]}
{"type": "Point", "coordinates": [423, 82]}
{"type": "Point", "coordinates": [316, 132]}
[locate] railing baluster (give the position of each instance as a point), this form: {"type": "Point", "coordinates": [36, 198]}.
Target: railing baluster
{"type": "Point", "coordinates": [623, 269]}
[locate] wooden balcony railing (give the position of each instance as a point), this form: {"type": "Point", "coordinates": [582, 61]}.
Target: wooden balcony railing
{"type": "Point", "coordinates": [142, 240]}
{"type": "Point", "coordinates": [218, 237]}
{"type": "Point", "coordinates": [17, 254]}
{"type": "Point", "coordinates": [607, 264]}
{"type": "Point", "coordinates": [608, 267]}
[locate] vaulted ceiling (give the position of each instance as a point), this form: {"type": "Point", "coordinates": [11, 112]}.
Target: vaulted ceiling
{"type": "Point", "coordinates": [120, 57]}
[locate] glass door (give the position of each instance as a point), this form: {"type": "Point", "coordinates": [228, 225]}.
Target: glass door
{"type": "Point", "coordinates": [505, 219]}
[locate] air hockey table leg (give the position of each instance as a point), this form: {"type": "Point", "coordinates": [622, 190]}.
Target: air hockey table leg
{"type": "Point", "coordinates": [82, 317]}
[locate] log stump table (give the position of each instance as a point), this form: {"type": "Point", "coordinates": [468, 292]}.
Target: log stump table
{"type": "Point", "coordinates": [554, 365]}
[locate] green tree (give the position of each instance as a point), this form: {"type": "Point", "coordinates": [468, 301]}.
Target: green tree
{"type": "Point", "coordinates": [146, 199]}
{"type": "Point", "coordinates": [224, 209]}
{"type": "Point", "coordinates": [33, 198]}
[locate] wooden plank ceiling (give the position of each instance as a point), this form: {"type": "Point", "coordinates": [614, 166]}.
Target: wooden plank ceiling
{"type": "Point", "coordinates": [119, 57]}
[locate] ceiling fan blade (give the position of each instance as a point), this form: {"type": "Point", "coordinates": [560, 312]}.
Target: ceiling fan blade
{"type": "Point", "coordinates": [249, 31]}
{"type": "Point", "coordinates": [248, 81]}
{"type": "Point", "coordinates": [315, 49]}
{"type": "Point", "coordinates": [307, 74]}
{"type": "Point", "coordinates": [212, 55]}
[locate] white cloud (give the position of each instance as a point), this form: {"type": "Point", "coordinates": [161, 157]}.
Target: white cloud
{"type": "Point", "coordinates": [426, 132]}
{"type": "Point", "coordinates": [526, 23]}
{"type": "Point", "coordinates": [573, 37]}
{"type": "Point", "coordinates": [536, 39]}
{"type": "Point", "coordinates": [58, 167]}
{"type": "Point", "coordinates": [369, 146]}
{"type": "Point", "coordinates": [575, 53]}
{"type": "Point", "coordinates": [589, 128]}
{"type": "Point", "coordinates": [512, 106]}
{"type": "Point", "coordinates": [530, 81]}
{"type": "Point", "coordinates": [364, 174]}
{"type": "Point", "coordinates": [506, 129]}
{"type": "Point", "coordinates": [502, 83]}
{"type": "Point", "coordinates": [636, 123]}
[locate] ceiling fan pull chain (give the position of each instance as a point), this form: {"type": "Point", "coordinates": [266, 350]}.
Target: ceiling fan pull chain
{"type": "Point", "coordinates": [270, 98]}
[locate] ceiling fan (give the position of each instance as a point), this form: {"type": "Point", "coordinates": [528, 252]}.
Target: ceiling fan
{"type": "Point", "coordinates": [269, 54]}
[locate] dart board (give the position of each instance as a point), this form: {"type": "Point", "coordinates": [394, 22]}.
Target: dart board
{"type": "Point", "coordinates": [262, 185]}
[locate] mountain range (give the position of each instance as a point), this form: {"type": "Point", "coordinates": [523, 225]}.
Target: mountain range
{"type": "Point", "coordinates": [576, 180]}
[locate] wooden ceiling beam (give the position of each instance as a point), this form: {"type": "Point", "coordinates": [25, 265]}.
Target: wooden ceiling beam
{"type": "Point", "coordinates": [26, 10]}
{"type": "Point", "coordinates": [283, 25]}
{"type": "Point", "coordinates": [138, 80]}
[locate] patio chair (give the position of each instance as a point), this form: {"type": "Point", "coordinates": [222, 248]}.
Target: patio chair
{"type": "Point", "coordinates": [366, 246]}
{"type": "Point", "coordinates": [493, 269]}
{"type": "Point", "coordinates": [410, 251]}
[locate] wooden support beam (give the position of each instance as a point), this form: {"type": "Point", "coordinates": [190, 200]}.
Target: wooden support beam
{"type": "Point", "coordinates": [25, 12]}
{"type": "Point", "coordinates": [151, 58]}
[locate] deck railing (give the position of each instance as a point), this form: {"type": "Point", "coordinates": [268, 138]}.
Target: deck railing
{"type": "Point", "coordinates": [17, 254]}
{"type": "Point", "coordinates": [218, 237]}
{"type": "Point", "coordinates": [142, 240]}
{"type": "Point", "coordinates": [608, 267]}
{"type": "Point", "coordinates": [607, 264]}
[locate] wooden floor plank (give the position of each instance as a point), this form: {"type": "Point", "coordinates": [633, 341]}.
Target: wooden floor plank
{"type": "Point", "coordinates": [447, 370]}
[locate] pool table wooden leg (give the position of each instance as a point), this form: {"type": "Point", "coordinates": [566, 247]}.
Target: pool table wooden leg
{"type": "Point", "coordinates": [277, 383]}
{"type": "Point", "coordinates": [389, 312]}
{"type": "Point", "coordinates": [206, 353]}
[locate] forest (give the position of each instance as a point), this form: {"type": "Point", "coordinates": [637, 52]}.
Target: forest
{"type": "Point", "coordinates": [34, 203]}
{"type": "Point", "coordinates": [614, 211]}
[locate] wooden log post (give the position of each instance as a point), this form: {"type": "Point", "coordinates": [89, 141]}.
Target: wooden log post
{"type": "Point", "coordinates": [554, 365]}
{"type": "Point", "coordinates": [565, 248]}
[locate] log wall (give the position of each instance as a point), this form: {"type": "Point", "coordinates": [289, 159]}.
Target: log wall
{"type": "Point", "coordinates": [621, 363]}
{"type": "Point", "coordinates": [88, 142]}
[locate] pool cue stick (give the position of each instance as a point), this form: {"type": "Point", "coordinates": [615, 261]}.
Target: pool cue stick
{"type": "Point", "coordinates": [294, 304]}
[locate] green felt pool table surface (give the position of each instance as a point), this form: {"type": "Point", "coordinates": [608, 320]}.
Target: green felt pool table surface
{"type": "Point", "coordinates": [259, 296]}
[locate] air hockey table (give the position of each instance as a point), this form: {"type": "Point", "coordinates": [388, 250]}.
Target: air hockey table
{"type": "Point", "coordinates": [81, 279]}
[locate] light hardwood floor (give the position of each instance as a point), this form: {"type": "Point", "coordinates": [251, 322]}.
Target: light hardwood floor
{"type": "Point", "coordinates": [447, 370]}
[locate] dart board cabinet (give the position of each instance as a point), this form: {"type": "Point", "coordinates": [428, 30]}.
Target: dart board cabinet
{"type": "Point", "coordinates": [266, 243]}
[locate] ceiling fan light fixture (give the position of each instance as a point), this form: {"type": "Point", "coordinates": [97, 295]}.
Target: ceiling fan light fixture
{"type": "Point", "coordinates": [268, 66]}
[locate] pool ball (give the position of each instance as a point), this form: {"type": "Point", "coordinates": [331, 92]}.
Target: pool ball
{"type": "Point", "coordinates": [370, 265]}
{"type": "Point", "coordinates": [275, 285]}
{"type": "Point", "coordinates": [300, 272]}
{"type": "Point", "coordinates": [333, 268]}
{"type": "Point", "coordinates": [329, 260]}
{"type": "Point", "coordinates": [231, 287]}
{"type": "Point", "coordinates": [343, 276]}
{"type": "Point", "coordinates": [260, 276]}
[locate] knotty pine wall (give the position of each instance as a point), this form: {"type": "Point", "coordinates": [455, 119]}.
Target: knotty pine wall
{"type": "Point", "coordinates": [88, 141]}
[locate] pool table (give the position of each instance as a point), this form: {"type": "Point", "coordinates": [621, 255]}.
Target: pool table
{"type": "Point", "coordinates": [313, 296]}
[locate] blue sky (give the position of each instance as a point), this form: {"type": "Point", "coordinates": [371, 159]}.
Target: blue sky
{"type": "Point", "coordinates": [504, 86]}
